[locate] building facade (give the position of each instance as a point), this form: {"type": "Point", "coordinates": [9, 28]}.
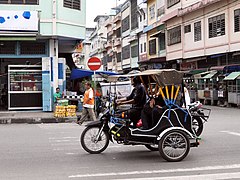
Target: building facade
{"type": "Point", "coordinates": [38, 33]}
{"type": "Point", "coordinates": [203, 34]}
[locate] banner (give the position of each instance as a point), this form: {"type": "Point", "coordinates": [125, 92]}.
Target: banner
{"type": "Point", "coordinates": [19, 21]}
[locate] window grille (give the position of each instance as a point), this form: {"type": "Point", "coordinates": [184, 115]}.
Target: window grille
{"type": "Point", "coordinates": [152, 11]}
{"type": "Point", "coordinates": [187, 28]}
{"type": "Point", "coordinates": [7, 47]}
{"type": "Point", "coordinates": [126, 52]}
{"type": "Point", "coordinates": [197, 31]}
{"type": "Point", "coordinates": [237, 20]}
{"type": "Point", "coordinates": [119, 57]}
{"type": "Point", "coordinates": [118, 32]}
{"type": "Point", "coordinates": [216, 26]}
{"type": "Point", "coordinates": [134, 16]}
{"type": "Point", "coordinates": [161, 11]}
{"type": "Point", "coordinates": [174, 35]}
{"type": "Point", "coordinates": [32, 47]}
{"type": "Point", "coordinates": [73, 4]}
{"type": "Point", "coordinates": [152, 47]}
{"type": "Point", "coordinates": [125, 24]}
{"type": "Point", "coordinates": [134, 51]}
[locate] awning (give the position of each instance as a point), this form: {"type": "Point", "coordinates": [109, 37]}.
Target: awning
{"type": "Point", "coordinates": [153, 60]}
{"type": "Point", "coordinates": [210, 75]}
{"type": "Point", "coordinates": [80, 73]}
{"type": "Point", "coordinates": [232, 76]}
{"type": "Point", "coordinates": [196, 71]}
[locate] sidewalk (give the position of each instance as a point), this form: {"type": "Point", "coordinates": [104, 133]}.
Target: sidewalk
{"type": "Point", "coordinates": [31, 117]}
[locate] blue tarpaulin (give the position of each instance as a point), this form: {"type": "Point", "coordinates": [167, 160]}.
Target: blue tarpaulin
{"type": "Point", "coordinates": [80, 73]}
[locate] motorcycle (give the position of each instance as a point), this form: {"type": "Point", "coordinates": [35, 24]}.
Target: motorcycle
{"type": "Point", "coordinates": [199, 116]}
{"type": "Point", "coordinates": [172, 136]}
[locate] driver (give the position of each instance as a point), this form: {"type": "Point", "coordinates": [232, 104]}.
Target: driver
{"type": "Point", "coordinates": [137, 98]}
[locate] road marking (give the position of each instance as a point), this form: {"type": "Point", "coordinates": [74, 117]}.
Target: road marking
{"type": "Point", "coordinates": [206, 168]}
{"type": "Point", "coordinates": [63, 140]}
{"type": "Point", "coordinates": [195, 177]}
{"type": "Point", "coordinates": [54, 138]}
{"type": "Point", "coordinates": [232, 133]}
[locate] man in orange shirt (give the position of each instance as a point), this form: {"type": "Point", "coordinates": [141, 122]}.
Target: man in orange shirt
{"type": "Point", "coordinates": [88, 104]}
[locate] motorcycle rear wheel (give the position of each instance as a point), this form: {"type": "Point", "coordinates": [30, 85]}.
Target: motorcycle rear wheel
{"type": "Point", "coordinates": [91, 144]}
{"type": "Point", "coordinates": [174, 146]}
{"type": "Point", "coordinates": [197, 125]}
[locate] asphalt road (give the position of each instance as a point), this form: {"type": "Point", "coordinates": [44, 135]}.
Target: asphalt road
{"type": "Point", "coordinates": [52, 151]}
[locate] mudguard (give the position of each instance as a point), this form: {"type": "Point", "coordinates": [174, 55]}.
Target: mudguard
{"type": "Point", "coordinates": [174, 128]}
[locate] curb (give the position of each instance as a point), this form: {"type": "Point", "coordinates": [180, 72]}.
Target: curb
{"type": "Point", "coordinates": [37, 120]}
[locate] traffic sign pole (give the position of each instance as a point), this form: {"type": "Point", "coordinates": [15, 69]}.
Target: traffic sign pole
{"type": "Point", "coordinates": [94, 64]}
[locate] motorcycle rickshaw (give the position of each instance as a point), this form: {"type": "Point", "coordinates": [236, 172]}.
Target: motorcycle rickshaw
{"type": "Point", "coordinates": [172, 135]}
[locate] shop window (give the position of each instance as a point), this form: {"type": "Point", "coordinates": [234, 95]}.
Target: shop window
{"type": "Point", "coordinates": [237, 20]}
{"type": "Point", "coordinates": [152, 47]}
{"type": "Point", "coordinates": [187, 28]}
{"type": "Point", "coordinates": [7, 47]}
{"type": "Point", "coordinates": [125, 24]}
{"type": "Point", "coordinates": [126, 52]}
{"type": "Point", "coordinates": [33, 2]}
{"type": "Point", "coordinates": [171, 3]}
{"type": "Point", "coordinates": [152, 11]}
{"type": "Point", "coordinates": [216, 26]}
{"type": "Point", "coordinates": [32, 48]}
{"type": "Point", "coordinates": [197, 31]}
{"type": "Point", "coordinates": [134, 51]}
{"type": "Point", "coordinates": [72, 4]}
{"type": "Point", "coordinates": [174, 35]}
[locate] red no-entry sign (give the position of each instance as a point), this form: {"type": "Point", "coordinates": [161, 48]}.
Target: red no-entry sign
{"type": "Point", "coordinates": [94, 63]}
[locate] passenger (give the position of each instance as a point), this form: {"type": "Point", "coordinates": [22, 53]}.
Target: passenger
{"type": "Point", "coordinates": [150, 114]}
{"type": "Point", "coordinates": [137, 98]}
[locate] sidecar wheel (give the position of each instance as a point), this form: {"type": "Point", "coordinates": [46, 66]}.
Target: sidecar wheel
{"type": "Point", "coordinates": [91, 144]}
{"type": "Point", "coordinates": [152, 147]}
{"type": "Point", "coordinates": [174, 145]}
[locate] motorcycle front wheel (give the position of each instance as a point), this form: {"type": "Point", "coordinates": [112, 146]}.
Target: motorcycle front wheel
{"type": "Point", "coordinates": [174, 146]}
{"type": "Point", "coordinates": [91, 144]}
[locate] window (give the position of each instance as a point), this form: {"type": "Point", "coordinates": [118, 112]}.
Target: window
{"type": "Point", "coordinates": [174, 35]}
{"type": "Point", "coordinates": [237, 20]}
{"type": "Point", "coordinates": [125, 24]}
{"type": "Point", "coordinates": [109, 58]}
{"type": "Point", "coordinates": [134, 16]}
{"type": "Point", "coordinates": [152, 47]}
{"type": "Point", "coordinates": [160, 11]}
{"type": "Point", "coordinates": [145, 47]}
{"type": "Point", "coordinates": [33, 2]}
{"type": "Point", "coordinates": [197, 31]}
{"type": "Point", "coordinates": [73, 4]}
{"type": "Point", "coordinates": [171, 3]}
{"type": "Point", "coordinates": [152, 11]}
{"type": "Point", "coordinates": [126, 52]}
{"type": "Point", "coordinates": [187, 28]}
{"type": "Point", "coordinates": [118, 32]}
{"type": "Point", "coordinates": [216, 26]}
{"type": "Point", "coordinates": [32, 47]}
{"type": "Point", "coordinates": [134, 51]}
{"type": "Point", "coordinates": [141, 48]}
{"type": "Point", "coordinates": [119, 55]}
{"type": "Point", "coordinates": [7, 47]}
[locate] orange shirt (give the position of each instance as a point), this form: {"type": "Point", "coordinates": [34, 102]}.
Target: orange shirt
{"type": "Point", "coordinates": [88, 94]}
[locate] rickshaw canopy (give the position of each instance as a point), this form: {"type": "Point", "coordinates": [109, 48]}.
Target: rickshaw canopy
{"type": "Point", "coordinates": [162, 77]}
